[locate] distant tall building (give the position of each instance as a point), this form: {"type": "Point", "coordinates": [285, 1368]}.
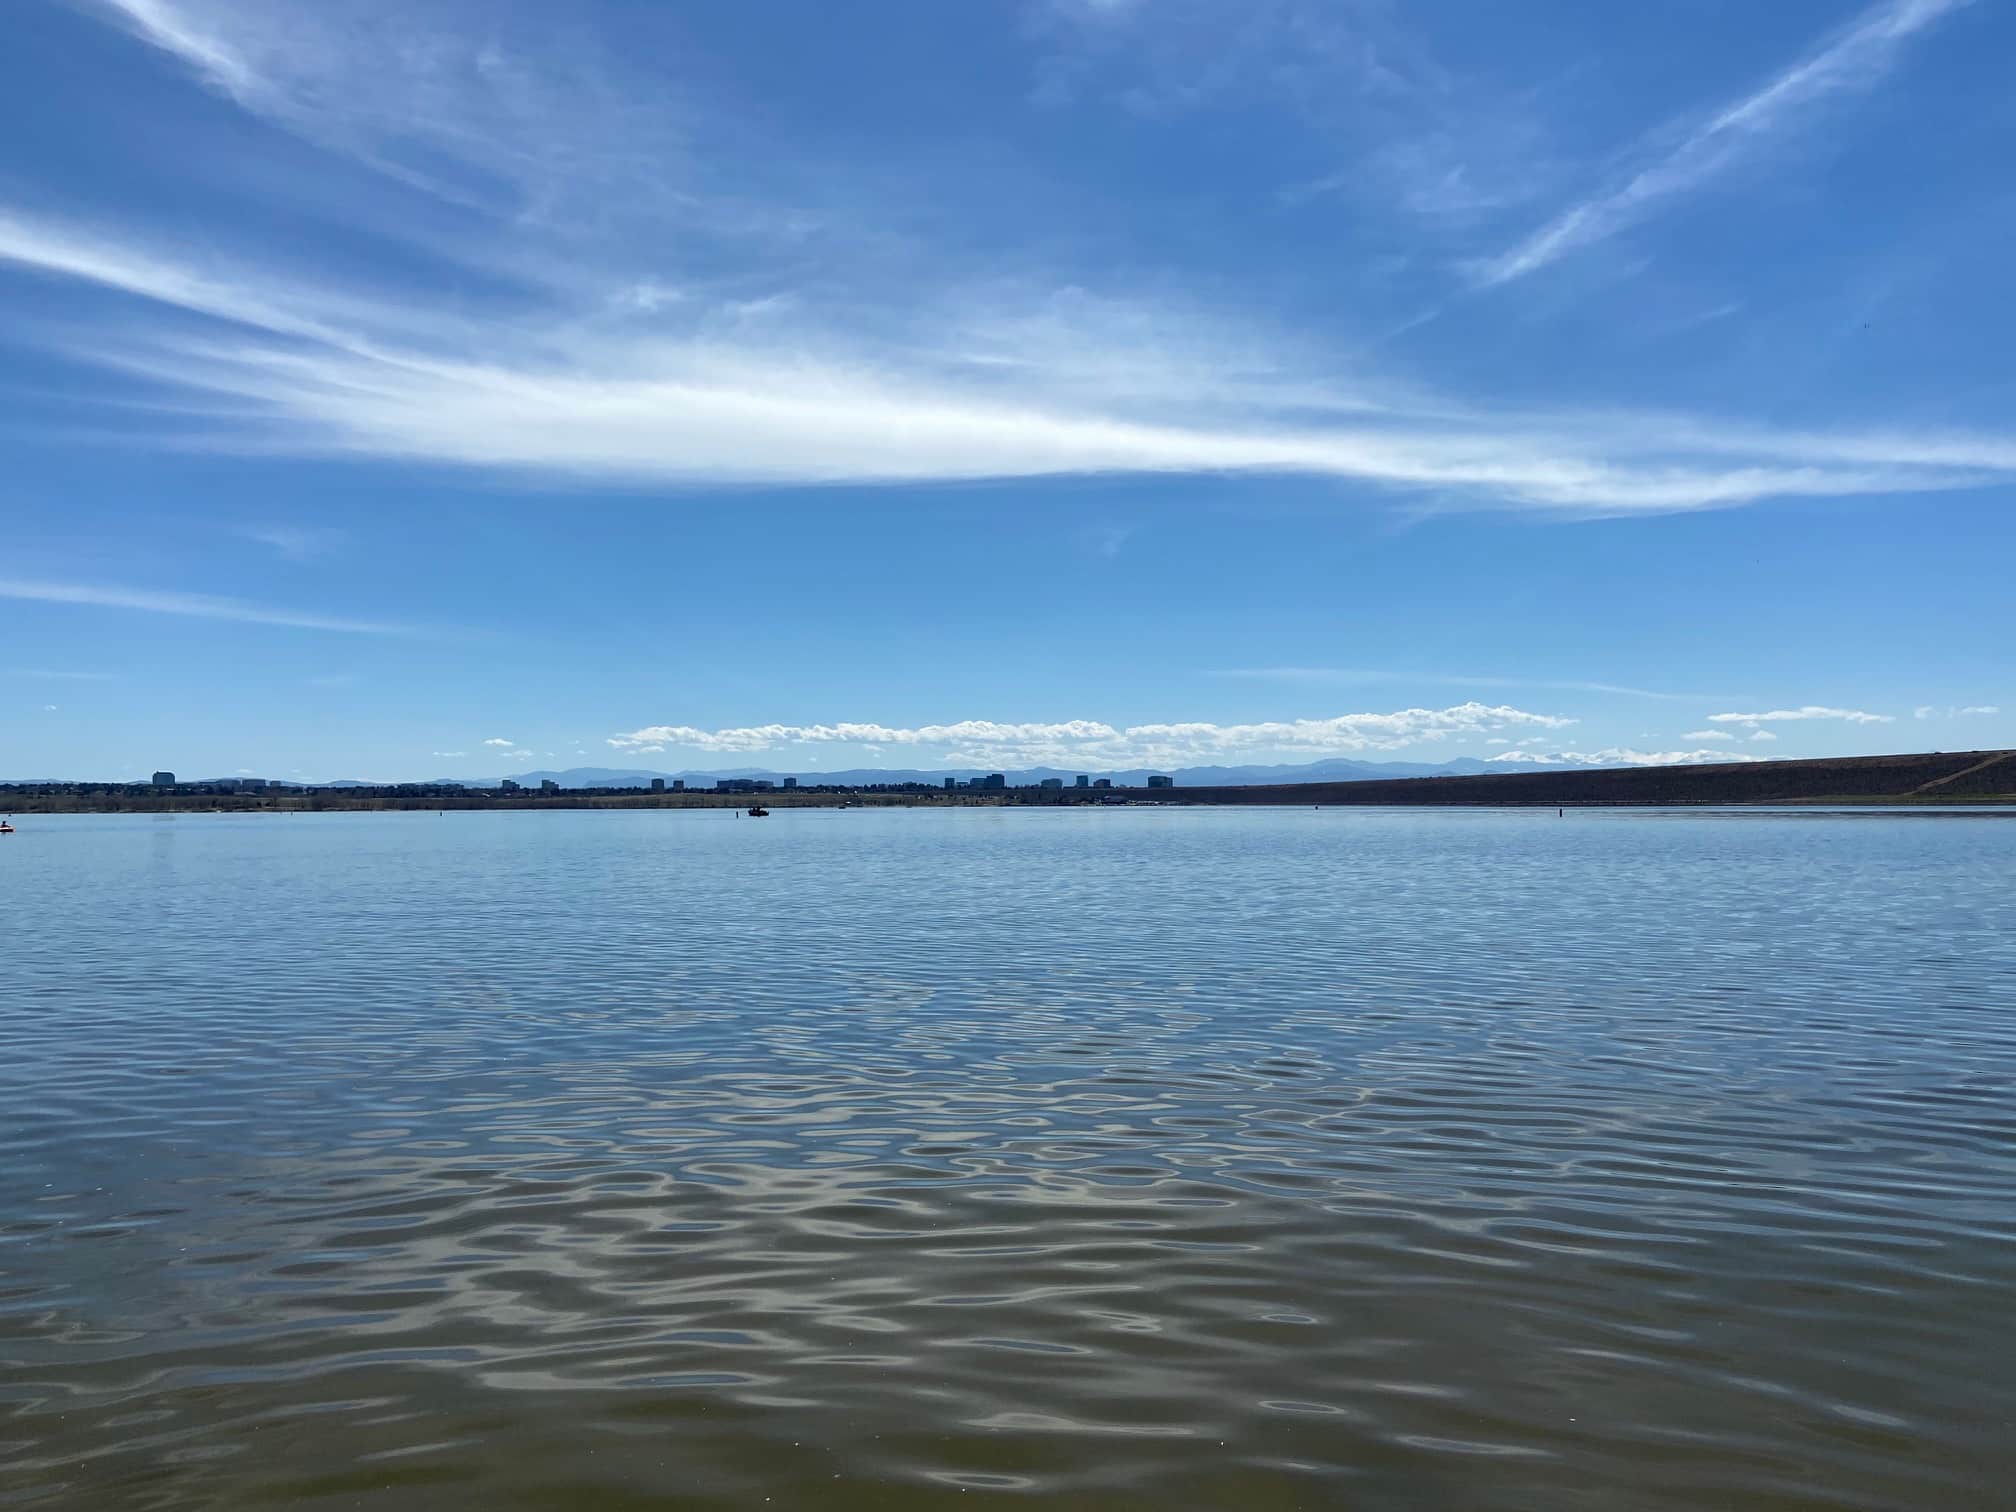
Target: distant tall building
{"type": "Point", "coordinates": [1083, 781]}
{"type": "Point", "coordinates": [1159, 782]}
{"type": "Point", "coordinates": [507, 786]}
{"type": "Point", "coordinates": [951, 782]}
{"type": "Point", "coordinates": [164, 779]}
{"type": "Point", "coordinates": [790, 782]}
{"type": "Point", "coordinates": [994, 780]}
{"type": "Point", "coordinates": [657, 784]}
{"type": "Point", "coordinates": [1054, 782]}
{"type": "Point", "coordinates": [1105, 782]}
{"type": "Point", "coordinates": [678, 784]}
{"type": "Point", "coordinates": [548, 785]}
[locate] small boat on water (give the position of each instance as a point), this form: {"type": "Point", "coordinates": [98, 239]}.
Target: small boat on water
{"type": "Point", "coordinates": [757, 811]}
{"type": "Point", "coordinates": [6, 828]}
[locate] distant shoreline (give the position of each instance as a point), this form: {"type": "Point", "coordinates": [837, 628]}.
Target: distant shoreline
{"type": "Point", "coordinates": [1935, 778]}
{"type": "Point", "coordinates": [1926, 808]}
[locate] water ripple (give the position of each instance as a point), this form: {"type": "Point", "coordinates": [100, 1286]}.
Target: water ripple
{"type": "Point", "coordinates": [1164, 1158]}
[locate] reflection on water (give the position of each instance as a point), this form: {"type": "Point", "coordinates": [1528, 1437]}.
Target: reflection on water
{"type": "Point", "coordinates": [1146, 1158]}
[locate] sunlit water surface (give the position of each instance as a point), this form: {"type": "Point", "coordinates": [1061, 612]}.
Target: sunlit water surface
{"type": "Point", "coordinates": [1145, 1158]}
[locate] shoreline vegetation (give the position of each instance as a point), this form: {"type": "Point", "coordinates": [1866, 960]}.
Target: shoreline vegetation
{"type": "Point", "coordinates": [1927, 778]}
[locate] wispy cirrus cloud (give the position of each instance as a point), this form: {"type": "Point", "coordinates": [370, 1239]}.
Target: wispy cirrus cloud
{"type": "Point", "coordinates": [1322, 59]}
{"type": "Point", "coordinates": [620, 353]}
{"type": "Point", "coordinates": [295, 543]}
{"type": "Point", "coordinates": [819, 404]}
{"type": "Point", "coordinates": [1953, 711]}
{"type": "Point", "coordinates": [1104, 540]}
{"type": "Point", "coordinates": [1803, 712]}
{"type": "Point", "coordinates": [1707, 735]}
{"type": "Point", "coordinates": [170, 28]}
{"type": "Point", "coordinates": [464, 108]}
{"type": "Point", "coordinates": [191, 605]}
{"type": "Point", "coordinates": [1853, 59]}
{"type": "Point", "coordinates": [1096, 744]}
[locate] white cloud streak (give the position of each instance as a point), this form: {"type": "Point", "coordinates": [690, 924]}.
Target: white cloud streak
{"type": "Point", "coordinates": [500, 742]}
{"type": "Point", "coordinates": [1853, 59]}
{"type": "Point", "coordinates": [816, 406]}
{"type": "Point", "coordinates": [168, 28]}
{"type": "Point", "coordinates": [1930, 711]}
{"type": "Point", "coordinates": [1095, 744]}
{"type": "Point", "coordinates": [295, 543]}
{"type": "Point", "coordinates": [1804, 712]}
{"type": "Point", "coordinates": [1707, 735]}
{"type": "Point", "coordinates": [478, 118]}
{"type": "Point", "coordinates": [946, 376]}
{"type": "Point", "coordinates": [192, 605]}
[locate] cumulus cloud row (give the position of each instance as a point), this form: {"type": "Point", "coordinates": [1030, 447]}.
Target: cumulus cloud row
{"type": "Point", "coordinates": [1094, 743]}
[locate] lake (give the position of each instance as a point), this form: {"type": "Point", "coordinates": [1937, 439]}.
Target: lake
{"type": "Point", "coordinates": [1076, 1158]}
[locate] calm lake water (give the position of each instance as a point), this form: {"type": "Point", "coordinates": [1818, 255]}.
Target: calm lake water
{"type": "Point", "coordinates": [1136, 1158]}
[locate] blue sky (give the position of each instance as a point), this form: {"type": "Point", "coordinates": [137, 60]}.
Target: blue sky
{"type": "Point", "coordinates": [396, 390]}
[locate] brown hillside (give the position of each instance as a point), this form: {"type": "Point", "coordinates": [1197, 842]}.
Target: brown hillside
{"type": "Point", "coordinates": [1939, 776]}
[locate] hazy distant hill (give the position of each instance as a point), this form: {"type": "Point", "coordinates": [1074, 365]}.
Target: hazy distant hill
{"type": "Point", "coordinates": [1934, 776]}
